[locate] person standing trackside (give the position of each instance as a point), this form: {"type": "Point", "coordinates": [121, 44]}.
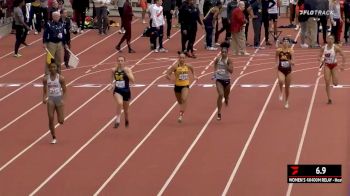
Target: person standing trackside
{"type": "Point", "coordinates": [257, 21]}
{"type": "Point", "coordinates": [169, 7]}
{"type": "Point", "coordinates": [80, 7]}
{"type": "Point", "coordinates": [158, 22]}
{"type": "Point", "coordinates": [67, 26]}
{"type": "Point", "coordinates": [54, 93]}
{"type": "Point", "coordinates": [120, 4]}
{"type": "Point", "coordinates": [101, 14]}
{"type": "Point", "coordinates": [20, 25]}
{"type": "Point", "coordinates": [189, 16]}
{"type": "Point", "coordinates": [237, 28]}
{"type": "Point", "coordinates": [53, 39]}
{"type": "Point", "coordinates": [127, 18]}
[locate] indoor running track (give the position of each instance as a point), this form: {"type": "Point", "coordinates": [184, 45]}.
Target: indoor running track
{"type": "Point", "coordinates": [246, 153]}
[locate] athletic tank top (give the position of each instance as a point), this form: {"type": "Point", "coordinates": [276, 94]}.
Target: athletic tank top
{"type": "Point", "coordinates": [54, 87]}
{"type": "Point", "coordinates": [273, 9]}
{"type": "Point", "coordinates": [121, 80]}
{"type": "Point", "coordinates": [181, 75]}
{"type": "Point", "coordinates": [284, 57]}
{"type": "Point", "coordinates": [221, 72]}
{"type": "Point", "coordinates": [329, 55]}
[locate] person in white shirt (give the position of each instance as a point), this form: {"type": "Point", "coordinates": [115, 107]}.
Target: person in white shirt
{"type": "Point", "coordinates": [157, 25]}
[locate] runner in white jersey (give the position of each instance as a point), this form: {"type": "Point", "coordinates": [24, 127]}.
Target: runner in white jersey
{"type": "Point", "coordinates": [54, 92]}
{"type": "Point", "coordinates": [223, 70]}
{"type": "Point", "coordinates": [328, 59]}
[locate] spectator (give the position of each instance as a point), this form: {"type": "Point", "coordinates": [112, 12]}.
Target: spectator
{"type": "Point", "coordinates": [237, 30]}
{"type": "Point", "coordinates": [67, 26]}
{"type": "Point", "coordinates": [169, 7]}
{"type": "Point", "coordinates": [20, 25]}
{"type": "Point", "coordinates": [127, 19]}
{"type": "Point", "coordinates": [101, 14]}
{"type": "Point", "coordinates": [157, 26]}
{"type": "Point", "coordinates": [53, 39]}
{"type": "Point", "coordinates": [257, 20]}
{"type": "Point", "coordinates": [80, 7]}
{"type": "Point", "coordinates": [209, 22]}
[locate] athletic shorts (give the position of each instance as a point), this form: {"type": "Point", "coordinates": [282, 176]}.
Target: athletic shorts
{"type": "Point", "coordinates": [285, 71]}
{"type": "Point", "coordinates": [331, 66]}
{"type": "Point", "coordinates": [273, 17]}
{"type": "Point", "coordinates": [178, 89]}
{"type": "Point", "coordinates": [126, 94]}
{"type": "Point", "coordinates": [224, 83]}
{"type": "Point", "coordinates": [57, 100]}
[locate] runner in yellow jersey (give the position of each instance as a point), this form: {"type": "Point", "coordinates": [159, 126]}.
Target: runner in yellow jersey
{"type": "Point", "coordinates": [182, 82]}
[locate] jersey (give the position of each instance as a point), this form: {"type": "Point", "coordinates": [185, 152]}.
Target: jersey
{"type": "Point", "coordinates": [329, 55]}
{"type": "Point", "coordinates": [182, 76]}
{"type": "Point", "coordinates": [121, 80]}
{"type": "Point", "coordinates": [284, 57]}
{"type": "Point", "coordinates": [54, 88]}
{"type": "Point", "coordinates": [221, 72]}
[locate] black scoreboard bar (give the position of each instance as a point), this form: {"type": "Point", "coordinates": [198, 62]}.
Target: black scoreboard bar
{"type": "Point", "coordinates": [314, 174]}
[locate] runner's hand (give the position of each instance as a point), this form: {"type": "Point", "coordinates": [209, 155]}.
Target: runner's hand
{"type": "Point", "coordinates": [44, 101]}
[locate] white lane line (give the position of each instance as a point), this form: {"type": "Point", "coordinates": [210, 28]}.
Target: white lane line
{"type": "Point", "coordinates": [87, 143]}
{"type": "Point", "coordinates": [302, 139]}
{"type": "Point", "coordinates": [247, 144]}
{"type": "Point", "coordinates": [42, 75]}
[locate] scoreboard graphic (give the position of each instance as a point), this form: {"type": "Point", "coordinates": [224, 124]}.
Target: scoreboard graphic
{"type": "Point", "coordinates": [314, 174]}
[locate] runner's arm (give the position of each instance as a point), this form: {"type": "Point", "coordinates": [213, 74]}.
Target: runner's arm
{"type": "Point", "coordinates": [169, 72]}
{"type": "Point", "coordinates": [44, 90]}
{"type": "Point", "coordinates": [130, 75]}
{"type": "Point", "coordinates": [64, 87]}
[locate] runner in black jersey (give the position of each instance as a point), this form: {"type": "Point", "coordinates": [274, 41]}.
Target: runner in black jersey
{"type": "Point", "coordinates": [121, 76]}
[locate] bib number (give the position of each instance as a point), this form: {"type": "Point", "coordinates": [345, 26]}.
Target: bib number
{"type": "Point", "coordinates": [221, 71]}
{"type": "Point", "coordinates": [183, 77]}
{"type": "Point", "coordinates": [285, 64]}
{"type": "Point", "coordinates": [120, 84]}
{"type": "Point", "coordinates": [54, 91]}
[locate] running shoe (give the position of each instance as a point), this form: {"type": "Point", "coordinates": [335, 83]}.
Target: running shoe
{"type": "Point", "coordinates": [286, 105]}
{"type": "Point", "coordinates": [162, 50]}
{"type": "Point", "coordinates": [17, 55]}
{"type": "Point", "coordinates": [218, 117]}
{"type": "Point", "coordinates": [211, 48]}
{"type": "Point", "coordinates": [53, 141]}
{"type": "Point", "coordinates": [226, 102]}
{"type": "Point", "coordinates": [280, 97]}
{"type": "Point", "coordinates": [126, 123]}
{"type": "Point", "coordinates": [179, 120]}
{"type": "Point", "coordinates": [116, 125]}
{"type": "Point", "coordinates": [329, 101]}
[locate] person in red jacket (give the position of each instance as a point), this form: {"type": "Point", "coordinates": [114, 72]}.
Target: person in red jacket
{"type": "Point", "coordinates": [127, 18]}
{"type": "Point", "coordinates": [238, 22]}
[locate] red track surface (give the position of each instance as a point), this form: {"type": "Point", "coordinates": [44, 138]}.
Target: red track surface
{"type": "Point", "coordinates": [244, 154]}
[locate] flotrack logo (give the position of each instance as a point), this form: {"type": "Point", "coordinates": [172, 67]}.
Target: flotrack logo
{"type": "Point", "coordinates": [316, 12]}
